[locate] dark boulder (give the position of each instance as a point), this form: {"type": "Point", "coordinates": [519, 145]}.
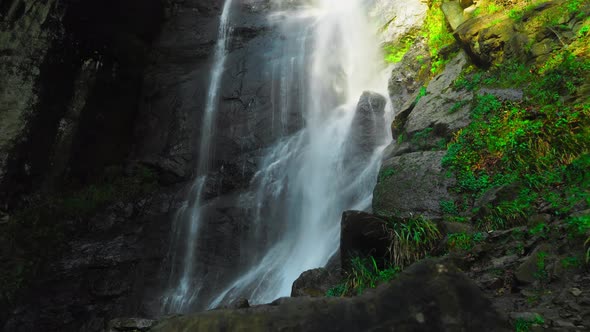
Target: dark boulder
{"type": "Point", "coordinates": [432, 295]}
{"type": "Point", "coordinates": [315, 283]}
{"type": "Point", "coordinates": [362, 234]}
{"type": "Point", "coordinates": [367, 129]}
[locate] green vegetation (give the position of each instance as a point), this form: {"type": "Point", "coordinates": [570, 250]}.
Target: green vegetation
{"type": "Point", "coordinates": [541, 229]}
{"type": "Point", "coordinates": [578, 226]}
{"type": "Point", "coordinates": [437, 35]}
{"type": "Point", "coordinates": [421, 137]}
{"type": "Point", "coordinates": [571, 262]}
{"type": "Point", "coordinates": [523, 325]}
{"type": "Point", "coordinates": [395, 52]}
{"type": "Point", "coordinates": [540, 144]}
{"type": "Point", "coordinates": [448, 207]}
{"type": "Point", "coordinates": [457, 106]}
{"type": "Point", "coordinates": [463, 241]}
{"type": "Point", "coordinates": [421, 94]}
{"type": "Point", "coordinates": [541, 273]}
{"type": "Point", "coordinates": [386, 174]}
{"type": "Point", "coordinates": [364, 274]}
{"type": "Point", "coordinates": [411, 240]}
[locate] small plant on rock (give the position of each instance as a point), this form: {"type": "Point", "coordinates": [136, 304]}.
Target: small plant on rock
{"type": "Point", "coordinates": [364, 273]}
{"type": "Point", "coordinates": [412, 240]}
{"type": "Point", "coordinates": [541, 273]}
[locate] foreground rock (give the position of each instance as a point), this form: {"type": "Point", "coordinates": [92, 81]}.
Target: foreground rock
{"type": "Point", "coordinates": [315, 283]}
{"type": "Point", "coordinates": [429, 296]}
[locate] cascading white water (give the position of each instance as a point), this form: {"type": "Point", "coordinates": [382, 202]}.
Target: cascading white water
{"type": "Point", "coordinates": [307, 180]}
{"type": "Point", "coordinates": [184, 287]}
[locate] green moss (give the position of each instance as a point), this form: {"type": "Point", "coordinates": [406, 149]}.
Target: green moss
{"type": "Point", "coordinates": [394, 53]}
{"type": "Point", "coordinates": [386, 174]}
{"type": "Point", "coordinates": [421, 137]}
{"type": "Point", "coordinates": [457, 106]}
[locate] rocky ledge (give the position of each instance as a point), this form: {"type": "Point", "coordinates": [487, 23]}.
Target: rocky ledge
{"type": "Point", "coordinates": [432, 295]}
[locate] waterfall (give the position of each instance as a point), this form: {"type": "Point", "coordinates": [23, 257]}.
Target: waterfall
{"type": "Point", "coordinates": [184, 286]}
{"type": "Point", "coordinates": [307, 179]}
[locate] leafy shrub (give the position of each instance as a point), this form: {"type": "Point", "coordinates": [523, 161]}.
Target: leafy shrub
{"type": "Point", "coordinates": [411, 240]}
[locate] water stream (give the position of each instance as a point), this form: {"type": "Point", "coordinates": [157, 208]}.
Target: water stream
{"type": "Point", "coordinates": [329, 56]}
{"type": "Point", "coordinates": [308, 179]}
{"type": "Point", "coordinates": [184, 287]}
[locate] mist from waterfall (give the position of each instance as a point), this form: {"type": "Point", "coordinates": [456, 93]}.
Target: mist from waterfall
{"type": "Point", "coordinates": [307, 179]}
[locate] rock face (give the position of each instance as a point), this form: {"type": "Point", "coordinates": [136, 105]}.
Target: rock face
{"type": "Point", "coordinates": [73, 74]}
{"type": "Point", "coordinates": [431, 122]}
{"type": "Point", "coordinates": [73, 106]}
{"type": "Point", "coordinates": [397, 19]}
{"type": "Point", "coordinates": [412, 184]}
{"type": "Point", "coordinates": [493, 38]}
{"type": "Point", "coordinates": [408, 76]}
{"type": "Point", "coordinates": [453, 11]}
{"type": "Point", "coordinates": [24, 45]}
{"type": "Point", "coordinates": [429, 296]}
{"type": "Point", "coordinates": [367, 127]}
{"type": "Point", "coordinates": [411, 179]}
